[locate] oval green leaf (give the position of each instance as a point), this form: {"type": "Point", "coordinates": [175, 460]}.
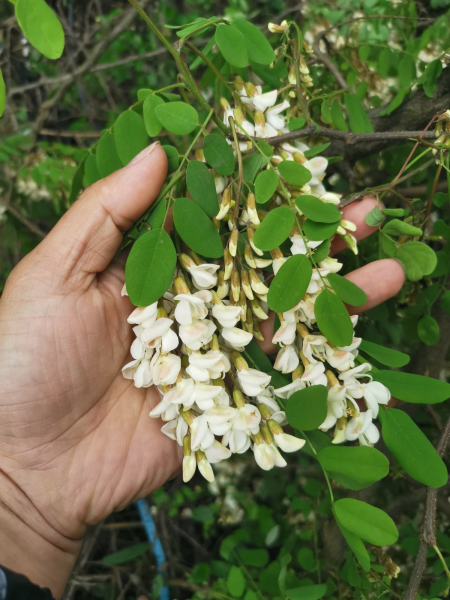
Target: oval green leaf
{"type": "Point", "coordinates": [290, 283]}
{"type": "Point", "coordinates": [347, 291]}
{"type": "Point", "coordinates": [108, 160]}
{"type": "Point", "coordinates": [307, 592]}
{"type": "Point", "coordinates": [316, 210]}
{"type": "Point", "coordinates": [415, 389]}
{"type": "Point", "coordinates": [196, 229]}
{"type": "Point", "coordinates": [177, 117]}
{"type": "Point", "coordinates": [333, 319]}
{"type": "Point", "coordinates": [130, 136]}
{"type": "Point", "coordinates": [275, 228]}
{"type": "Point", "coordinates": [173, 158]}
{"type": "Point", "coordinates": [232, 45]}
{"type": "Point", "coordinates": [385, 356]}
{"type": "Point", "coordinates": [150, 267]}
{"type": "Point", "coordinates": [41, 27]}
{"type": "Point", "coordinates": [412, 449]}
{"type": "Point", "coordinates": [356, 545]}
{"type": "Point", "coordinates": [366, 521]}
{"type": "Point", "coordinates": [201, 187]}
{"type": "Point", "coordinates": [265, 186]}
{"type": "Point", "coordinates": [355, 467]}
{"type": "Point", "coordinates": [294, 173]}
{"type": "Point", "coordinates": [258, 47]}
{"type": "Point", "coordinates": [307, 408]}
{"type": "Point", "coordinates": [418, 259]}
{"type": "Point", "coordinates": [316, 232]}
{"type": "Point", "coordinates": [357, 116]}
{"type": "Point", "coordinates": [91, 174]}
{"type": "Point", "coordinates": [152, 123]}
{"type": "Point", "coordinates": [218, 154]}
{"type": "Point", "coordinates": [396, 227]}
{"type": "Point", "coordinates": [428, 330]}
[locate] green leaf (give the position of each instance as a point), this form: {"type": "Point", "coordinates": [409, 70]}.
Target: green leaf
{"type": "Point", "coordinates": [2, 94]}
{"type": "Point", "coordinates": [265, 186]}
{"type": "Point", "coordinates": [254, 558]}
{"type": "Point", "coordinates": [333, 319]}
{"type": "Point", "coordinates": [325, 112]}
{"type": "Point", "coordinates": [357, 116]}
{"type": "Point", "coordinates": [41, 27]}
{"type": "Point", "coordinates": [236, 582]}
{"type": "Point", "coordinates": [252, 166]}
{"type": "Point", "coordinates": [416, 389]}
{"type": "Point", "coordinates": [307, 592]}
{"type": "Point", "coordinates": [296, 124]}
{"type": "Point", "coordinates": [441, 228]}
{"type": "Point", "coordinates": [337, 116]}
{"type": "Point", "coordinates": [258, 356]}
{"type": "Point", "coordinates": [347, 291]}
{"type": "Point", "coordinates": [232, 45]}
{"type": "Point", "coordinates": [397, 227]}
{"type": "Point", "coordinates": [258, 47]}
{"type": "Point", "coordinates": [127, 554]}
{"type": "Point", "coordinates": [431, 75]}
{"type": "Point", "coordinates": [91, 174]}
{"type": "Point", "coordinates": [355, 467]}
{"type": "Point", "coordinates": [445, 302]}
{"type": "Point", "coordinates": [108, 160]}
{"type": "Point", "coordinates": [150, 267]}
{"type": "Point", "coordinates": [394, 104]}
{"type": "Point", "coordinates": [152, 123]}
{"type": "Point", "coordinates": [385, 356]}
{"type": "Point", "coordinates": [307, 408]}
{"type": "Point", "coordinates": [201, 186]}
{"type": "Point", "coordinates": [322, 251]}
{"type": "Point", "coordinates": [316, 232]}
{"type": "Point", "coordinates": [173, 158]}
{"type": "Point", "coordinates": [428, 330]}
{"type": "Point", "coordinates": [406, 71]}
{"type": "Point", "coordinates": [440, 199]}
{"type": "Point", "coordinates": [290, 283]}
{"type": "Point", "coordinates": [196, 229]}
{"type": "Point", "coordinates": [294, 173]}
{"type": "Point", "coordinates": [274, 229]}
{"type": "Point", "coordinates": [156, 217]}
{"type": "Point", "coordinates": [356, 545]}
{"type": "Point", "coordinates": [130, 135]}
{"type": "Point", "coordinates": [316, 210]}
{"type": "Point", "coordinates": [77, 183]}
{"type": "Point", "coordinates": [366, 521]}
{"type": "Point", "coordinates": [143, 93]}
{"type": "Point", "coordinates": [417, 258]}
{"type": "Point", "coordinates": [384, 62]}
{"type": "Point", "coordinates": [316, 150]}
{"type": "Point", "coordinates": [412, 450]}
{"type": "Point", "coordinates": [218, 154]}
{"type": "Point", "coordinates": [177, 117]}
{"type": "Point", "coordinates": [395, 212]}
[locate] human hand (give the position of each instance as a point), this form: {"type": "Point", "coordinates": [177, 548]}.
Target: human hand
{"type": "Point", "coordinates": [76, 442]}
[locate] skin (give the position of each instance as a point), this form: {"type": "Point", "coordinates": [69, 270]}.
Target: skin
{"type": "Point", "coordinates": [76, 441]}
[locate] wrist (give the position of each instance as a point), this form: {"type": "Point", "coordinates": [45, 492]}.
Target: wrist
{"type": "Point", "coordinates": [29, 545]}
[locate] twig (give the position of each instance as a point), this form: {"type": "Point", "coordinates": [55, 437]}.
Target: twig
{"type": "Point", "coordinates": [329, 64]}
{"type": "Point", "coordinates": [28, 224]}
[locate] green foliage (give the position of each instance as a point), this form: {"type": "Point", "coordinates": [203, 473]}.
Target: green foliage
{"type": "Point", "coordinates": [177, 117]}
{"type": "Point", "coordinates": [289, 284]}
{"type": "Point", "coordinates": [354, 468]}
{"type": "Point", "coordinates": [130, 136]}
{"type": "Point", "coordinates": [265, 186]}
{"type": "Point", "coordinates": [41, 27]}
{"type": "Point", "coordinates": [294, 173]}
{"type": "Point", "coordinates": [218, 154]}
{"type": "Point", "coordinates": [307, 409]}
{"type": "Point", "coordinates": [333, 319]}
{"type": "Point", "coordinates": [368, 522]}
{"type": "Point", "coordinates": [414, 388]}
{"type": "Point", "coordinates": [201, 187]}
{"type": "Point", "coordinates": [347, 291]}
{"type": "Point", "coordinates": [275, 228]}
{"type": "Point", "coordinates": [318, 211]}
{"type": "Point", "coordinates": [196, 229]}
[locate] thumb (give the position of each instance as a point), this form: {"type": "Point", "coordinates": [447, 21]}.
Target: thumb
{"type": "Point", "coordinates": [85, 240]}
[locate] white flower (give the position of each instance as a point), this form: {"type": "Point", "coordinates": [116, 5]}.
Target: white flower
{"type": "Point", "coordinates": [267, 456]}
{"type": "Point", "coordinates": [197, 334]}
{"type": "Point", "coordinates": [227, 315]}
{"type": "Point", "coordinates": [253, 382]}
{"type": "Point", "coordinates": [273, 116]}
{"type": "Point", "coordinates": [191, 306]}
{"type": "Point", "coordinates": [206, 470]}
{"type": "Point", "coordinates": [316, 283]}
{"type": "Point", "coordinates": [331, 264]}
{"type": "Point", "coordinates": [201, 434]}
{"type": "Point", "coordinates": [362, 429]}
{"type": "Point", "coordinates": [204, 395]}
{"type": "Point", "coordinates": [213, 364]}
{"type": "Point", "coordinates": [261, 101]}
{"type": "Point", "coordinates": [288, 443]}
{"type": "Point", "coordinates": [340, 359]}
{"type": "Point", "coordinates": [204, 276]}
{"type": "Point", "coordinates": [315, 346]}
{"type": "Point", "coordinates": [315, 374]}
{"type": "Point", "coordinates": [266, 130]}
{"type": "Point", "coordinates": [144, 316]}
{"type": "Point", "coordinates": [331, 198]}
{"type": "Point", "coordinates": [166, 369]}
{"type": "Point", "coordinates": [237, 338]}
{"type": "Point", "coordinates": [287, 360]}
{"type": "Point", "coordinates": [375, 393]}
{"type": "Point", "coordinates": [278, 263]}
{"type": "Point", "coordinates": [220, 183]}
{"type": "Point", "coordinates": [298, 245]}
{"type": "Point", "coordinates": [286, 391]}
{"type": "Point", "coordinates": [140, 371]}
{"type": "Point", "coordinates": [217, 452]}
{"type": "Point", "coordinates": [189, 466]}
{"type": "Point", "coordinates": [286, 332]}
{"type": "Point", "coordinates": [159, 333]}
{"type": "Point", "coordinates": [317, 167]}
{"type": "Point", "coordinates": [237, 441]}
{"type": "Point", "coordinates": [247, 418]}
{"type": "Point", "coordinates": [181, 393]}
{"type": "Point", "coordinates": [176, 429]}
{"type": "Point", "coordinates": [350, 379]}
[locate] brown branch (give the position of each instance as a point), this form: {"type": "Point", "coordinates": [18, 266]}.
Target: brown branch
{"type": "Point", "coordinates": [329, 64]}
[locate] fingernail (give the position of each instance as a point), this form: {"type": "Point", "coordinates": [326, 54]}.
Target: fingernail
{"type": "Point", "coordinates": [145, 152]}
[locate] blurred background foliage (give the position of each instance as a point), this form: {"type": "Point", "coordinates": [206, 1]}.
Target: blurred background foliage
{"type": "Point", "coordinates": [248, 535]}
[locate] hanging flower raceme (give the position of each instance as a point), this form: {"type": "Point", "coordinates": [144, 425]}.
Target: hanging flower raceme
{"type": "Point", "coordinates": [195, 343]}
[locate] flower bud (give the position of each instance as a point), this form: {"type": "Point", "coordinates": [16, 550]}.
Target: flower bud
{"type": "Point", "coordinates": [199, 155]}
{"type": "Point", "coordinates": [248, 255]}
{"type": "Point", "coordinates": [223, 287]}
{"type": "Point", "coordinates": [262, 263]}
{"type": "Point", "coordinates": [256, 331]}
{"type": "Point", "coordinates": [288, 443]}
{"type": "Point", "coordinates": [350, 240]}
{"type": "Point", "coordinates": [250, 234]}
{"type": "Point", "coordinates": [243, 304]}
{"type": "Point", "coordinates": [238, 84]}
{"type": "Point", "coordinates": [233, 241]}
{"type": "Point", "coordinates": [299, 158]}
{"type": "Point", "coordinates": [249, 321]}
{"type": "Point", "coordinates": [204, 466]}
{"type": "Point", "coordinates": [348, 225]}
{"type": "Point", "coordinates": [256, 283]}
{"type": "Point", "coordinates": [186, 261]}
{"type": "Point", "coordinates": [292, 77]}
{"type": "Point", "coordinates": [302, 330]}
{"type": "Point", "coordinates": [189, 466]}
{"type": "Point", "coordinates": [214, 344]}
{"type": "Point", "coordinates": [257, 310]}
{"type": "Point", "coordinates": [298, 372]}
{"type": "Point", "coordinates": [303, 66]}
{"type": "Point", "coordinates": [246, 285]}
{"type": "Point", "coordinates": [267, 436]}
{"type": "Point", "coordinates": [188, 416]}
{"type": "Point", "coordinates": [331, 378]}
{"type": "Point", "coordinates": [224, 103]}
{"type": "Point", "coordinates": [238, 398]}
{"type": "Point", "coordinates": [187, 445]}
{"type": "Point", "coordinates": [265, 411]}
{"type": "Point", "coordinates": [225, 204]}
{"type": "Point", "coordinates": [274, 427]}
{"type": "Point", "coordinates": [239, 115]}
{"type": "Point", "coordinates": [235, 285]}
{"type": "Point", "coordinates": [251, 209]}
{"type": "Point", "coordinates": [259, 119]}
{"type": "Point", "coordinates": [180, 286]}
{"type": "Point", "coordinates": [239, 361]}
{"type": "Point", "coordinates": [195, 257]}
{"type": "Point", "coordinates": [251, 90]}
{"type": "Point", "coordinates": [258, 438]}
{"type": "Point", "coordinates": [228, 261]}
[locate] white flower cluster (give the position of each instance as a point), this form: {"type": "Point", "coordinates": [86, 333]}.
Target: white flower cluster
{"type": "Point", "coordinates": [190, 343]}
